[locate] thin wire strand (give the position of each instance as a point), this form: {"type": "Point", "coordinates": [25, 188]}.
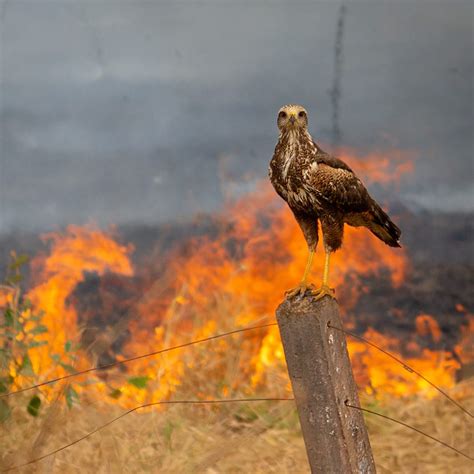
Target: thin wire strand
{"type": "Point", "coordinates": [131, 359]}
{"type": "Point", "coordinates": [203, 402]}
{"type": "Point", "coordinates": [147, 405]}
{"type": "Point", "coordinates": [411, 428]}
{"type": "Point", "coordinates": [405, 366]}
{"type": "Point", "coordinates": [232, 400]}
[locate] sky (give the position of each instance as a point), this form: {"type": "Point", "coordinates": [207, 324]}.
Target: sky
{"type": "Point", "coordinates": [132, 112]}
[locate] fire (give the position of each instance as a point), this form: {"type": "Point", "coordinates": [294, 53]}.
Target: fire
{"type": "Point", "coordinates": [380, 167]}
{"type": "Point", "coordinates": [232, 277]}
{"type": "Point", "coordinates": [427, 325]}
{"type": "Point", "coordinates": [72, 253]}
{"type": "Point", "coordinates": [6, 297]}
{"type": "Point", "coordinates": [385, 377]}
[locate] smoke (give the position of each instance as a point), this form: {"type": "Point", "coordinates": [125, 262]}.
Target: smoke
{"type": "Point", "coordinates": [121, 113]}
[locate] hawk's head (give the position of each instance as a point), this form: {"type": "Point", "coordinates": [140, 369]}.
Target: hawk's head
{"type": "Point", "coordinates": [292, 117]}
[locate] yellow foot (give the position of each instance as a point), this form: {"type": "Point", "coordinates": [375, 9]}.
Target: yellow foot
{"type": "Point", "coordinates": [301, 290]}
{"type": "Point", "coordinates": [323, 291]}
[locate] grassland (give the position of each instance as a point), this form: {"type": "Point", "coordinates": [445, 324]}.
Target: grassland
{"type": "Point", "coordinates": [261, 437]}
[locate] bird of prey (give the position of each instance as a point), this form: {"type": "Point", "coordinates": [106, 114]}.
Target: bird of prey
{"type": "Point", "coordinates": [320, 188]}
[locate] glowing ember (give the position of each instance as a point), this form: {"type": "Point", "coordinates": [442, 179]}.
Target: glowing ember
{"type": "Point", "coordinates": [427, 325]}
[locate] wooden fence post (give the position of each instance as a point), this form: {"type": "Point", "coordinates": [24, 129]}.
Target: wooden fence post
{"type": "Point", "coordinates": [321, 375]}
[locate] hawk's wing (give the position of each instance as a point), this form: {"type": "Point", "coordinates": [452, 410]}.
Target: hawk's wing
{"type": "Point", "coordinates": [325, 158]}
{"type": "Point", "coordinates": [336, 185]}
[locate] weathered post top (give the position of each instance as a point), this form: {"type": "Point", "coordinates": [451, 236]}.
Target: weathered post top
{"type": "Point", "coordinates": [321, 376]}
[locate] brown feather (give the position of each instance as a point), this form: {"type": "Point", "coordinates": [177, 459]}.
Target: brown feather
{"type": "Point", "coordinates": [318, 186]}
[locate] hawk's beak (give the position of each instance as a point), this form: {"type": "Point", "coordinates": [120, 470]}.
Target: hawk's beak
{"type": "Point", "coordinates": [292, 119]}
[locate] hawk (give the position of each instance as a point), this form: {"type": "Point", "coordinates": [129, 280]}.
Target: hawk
{"type": "Point", "coordinates": [320, 188]}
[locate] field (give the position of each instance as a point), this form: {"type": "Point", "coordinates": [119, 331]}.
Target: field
{"type": "Point", "coordinates": [145, 247]}
{"type": "Point", "coordinates": [97, 307]}
{"type": "Point", "coordinates": [260, 437]}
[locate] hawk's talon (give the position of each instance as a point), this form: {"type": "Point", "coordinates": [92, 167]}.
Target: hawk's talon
{"type": "Point", "coordinates": [305, 289]}
{"type": "Point", "coordinates": [301, 290]}
{"type": "Point", "coordinates": [324, 291]}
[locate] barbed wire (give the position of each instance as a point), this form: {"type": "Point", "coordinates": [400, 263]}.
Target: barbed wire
{"type": "Point", "coordinates": [406, 425]}
{"type": "Point", "coordinates": [404, 365]}
{"type": "Point", "coordinates": [217, 336]}
{"type": "Point", "coordinates": [229, 333]}
{"type": "Point", "coordinates": [140, 407]}
{"type": "Point", "coordinates": [132, 359]}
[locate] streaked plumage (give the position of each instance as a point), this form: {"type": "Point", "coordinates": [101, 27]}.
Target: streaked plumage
{"type": "Point", "coordinates": [321, 188]}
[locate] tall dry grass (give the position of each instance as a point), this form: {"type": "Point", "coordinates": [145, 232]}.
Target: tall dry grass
{"type": "Point", "coordinates": [259, 437]}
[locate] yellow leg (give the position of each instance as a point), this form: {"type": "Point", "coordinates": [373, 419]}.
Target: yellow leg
{"type": "Point", "coordinates": [309, 264]}
{"type": "Point", "coordinates": [325, 289]}
{"type": "Point", "coordinates": [303, 286]}
{"type": "Point", "coordinates": [326, 268]}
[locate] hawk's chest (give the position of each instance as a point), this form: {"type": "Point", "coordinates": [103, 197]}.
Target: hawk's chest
{"type": "Point", "coordinates": [291, 168]}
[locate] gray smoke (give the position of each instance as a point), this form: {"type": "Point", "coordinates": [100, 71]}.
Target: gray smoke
{"type": "Point", "coordinates": [128, 112]}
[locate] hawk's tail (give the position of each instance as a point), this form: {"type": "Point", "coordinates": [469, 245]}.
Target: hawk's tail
{"type": "Point", "coordinates": [381, 226]}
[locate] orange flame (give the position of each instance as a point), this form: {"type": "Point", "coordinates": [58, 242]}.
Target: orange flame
{"type": "Point", "coordinates": [234, 277]}
{"type": "Point", "coordinates": [72, 253]}
{"type": "Point", "coordinates": [381, 168]}
{"type": "Point", "coordinates": [383, 376]}
{"type": "Point", "coordinates": [427, 325]}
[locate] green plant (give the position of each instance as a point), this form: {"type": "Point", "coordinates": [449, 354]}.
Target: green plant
{"type": "Point", "coordinates": [22, 331]}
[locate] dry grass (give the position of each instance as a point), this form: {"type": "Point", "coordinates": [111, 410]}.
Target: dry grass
{"type": "Point", "coordinates": [259, 438]}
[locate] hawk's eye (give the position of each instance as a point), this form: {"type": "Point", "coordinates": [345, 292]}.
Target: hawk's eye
{"type": "Point", "coordinates": [301, 114]}
{"type": "Point", "coordinates": [283, 114]}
